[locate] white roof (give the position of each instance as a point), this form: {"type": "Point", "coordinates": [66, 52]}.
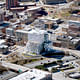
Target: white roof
{"type": "Point", "coordinates": [49, 18]}
{"type": "Point", "coordinates": [21, 31]}
{"type": "Point", "coordinates": [34, 8]}
{"type": "Point", "coordinates": [2, 2]}
{"type": "Point", "coordinates": [21, 13]}
{"type": "Point", "coordinates": [9, 29]}
{"type": "Point", "coordinates": [3, 46]}
{"type": "Point", "coordinates": [2, 41]}
{"type": "Point", "coordinates": [34, 73]}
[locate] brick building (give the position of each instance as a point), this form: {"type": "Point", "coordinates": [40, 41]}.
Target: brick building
{"type": "Point", "coordinates": [11, 3]}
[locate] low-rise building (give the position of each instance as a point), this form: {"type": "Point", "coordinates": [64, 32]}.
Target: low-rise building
{"type": "Point", "coordinates": [7, 75]}
{"type": "Point", "coordinates": [68, 42]}
{"type": "Point", "coordinates": [34, 74]}
{"type": "Point", "coordinates": [74, 28]}
{"type": "Point", "coordinates": [43, 23]}
{"type": "Point", "coordinates": [2, 42]}
{"type": "Point", "coordinates": [3, 49]}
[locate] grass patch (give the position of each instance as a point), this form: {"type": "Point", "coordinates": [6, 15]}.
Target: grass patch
{"type": "Point", "coordinates": [54, 70]}
{"type": "Point", "coordinates": [45, 65]}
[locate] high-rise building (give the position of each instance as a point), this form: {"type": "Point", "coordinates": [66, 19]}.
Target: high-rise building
{"type": "Point", "coordinates": [11, 3]}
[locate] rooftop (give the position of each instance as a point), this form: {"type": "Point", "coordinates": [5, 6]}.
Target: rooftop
{"type": "Point", "coordinates": [2, 41]}
{"type": "Point", "coordinates": [32, 31]}
{"type": "Point", "coordinates": [33, 74]}
{"type": "Point", "coordinates": [34, 8]}
{"type": "Point", "coordinates": [26, 3]}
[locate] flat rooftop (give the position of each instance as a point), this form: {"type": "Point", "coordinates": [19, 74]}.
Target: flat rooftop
{"type": "Point", "coordinates": [32, 31]}
{"type": "Point", "coordinates": [2, 41]}
{"type": "Point", "coordinates": [34, 8]}
{"type": "Point", "coordinates": [27, 3]}
{"type": "Point", "coordinates": [33, 74]}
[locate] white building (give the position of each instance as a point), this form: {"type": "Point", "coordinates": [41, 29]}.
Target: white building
{"type": "Point", "coordinates": [36, 38]}
{"type": "Point", "coordinates": [37, 35]}
{"type": "Point", "coordinates": [2, 42]}
{"type": "Point", "coordinates": [34, 74]}
{"type": "Point", "coordinates": [31, 35]}
{"type": "Point", "coordinates": [33, 38]}
{"type": "Point", "coordinates": [34, 47]}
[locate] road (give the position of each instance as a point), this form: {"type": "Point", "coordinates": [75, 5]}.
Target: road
{"type": "Point", "coordinates": [60, 76]}
{"type": "Point", "coordinates": [36, 63]}
{"type": "Point", "coordinates": [14, 66]}
{"type": "Point", "coordinates": [73, 52]}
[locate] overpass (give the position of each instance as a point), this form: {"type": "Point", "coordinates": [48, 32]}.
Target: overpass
{"type": "Point", "coordinates": [72, 52]}
{"type": "Point", "coordinates": [14, 67]}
